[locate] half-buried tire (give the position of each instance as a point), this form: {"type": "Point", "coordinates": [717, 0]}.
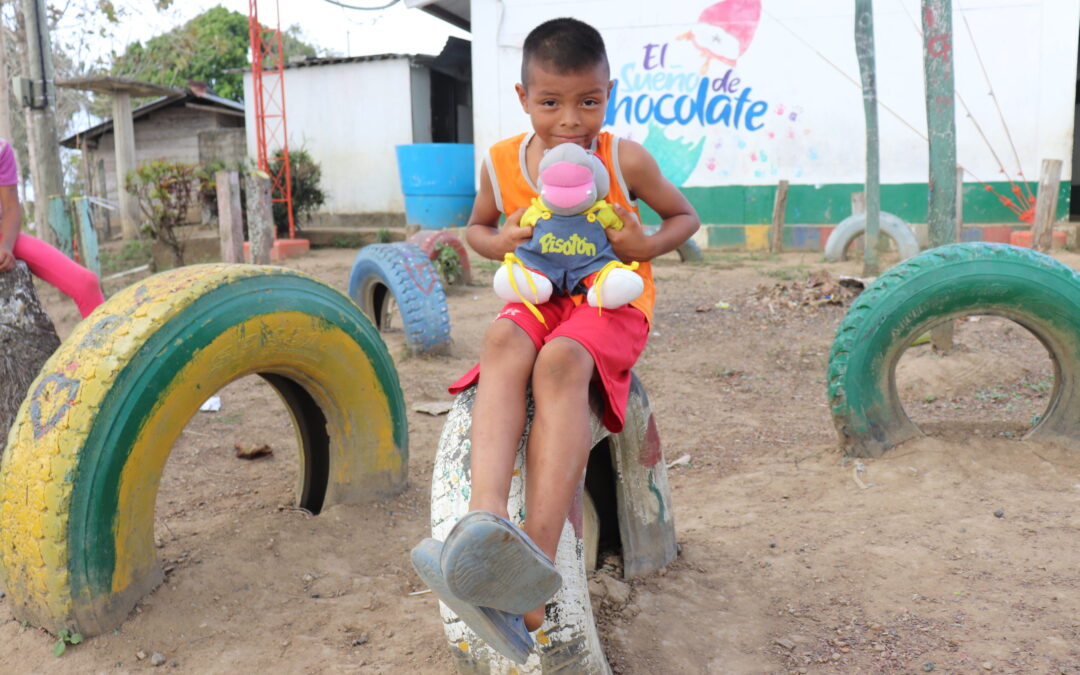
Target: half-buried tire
{"type": "Point", "coordinates": [402, 273]}
{"type": "Point", "coordinates": [855, 226]}
{"type": "Point", "coordinates": [627, 481]}
{"type": "Point", "coordinates": [79, 480]}
{"type": "Point", "coordinates": [431, 242]}
{"type": "Point", "coordinates": [944, 283]}
{"type": "Point", "coordinates": [689, 251]}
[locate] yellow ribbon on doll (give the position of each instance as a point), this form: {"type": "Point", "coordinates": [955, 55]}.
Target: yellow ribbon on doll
{"type": "Point", "coordinates": [602, 276]}
{"type": "Point", "coordinates": [509, 260]}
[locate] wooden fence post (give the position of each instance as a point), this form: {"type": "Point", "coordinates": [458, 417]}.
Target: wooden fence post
{"type": "Point", "coordinates": [88, 239]}
{"type": "Point", "coordinates": [60, 224]}
{"type": "Point", "coordinates": [940, 119]}
{"type": "Point", "coordinates": [941, 336]}
{"type": "Point", "coordinates": [864, 51]}
{"type": "Point", "coordinates": [776, 229]}
{"type": "Point", "coordinates": [260, 217]}
{"type": "Point", "coordinates": [1042, 227]}
{"type": "Point", "coordinates": [230, 217]}
{"type": "Point", "coordinates": [858, 203]}
{"type": "Point", "coordinates": [959, 203]}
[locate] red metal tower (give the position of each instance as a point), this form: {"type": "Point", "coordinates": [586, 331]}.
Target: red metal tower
{"type": "Point", "coordinates": [268, 90]}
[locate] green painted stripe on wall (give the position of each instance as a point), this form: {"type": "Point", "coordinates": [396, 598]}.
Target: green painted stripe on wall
{"type": "Point", "coordinates": [829, 204]}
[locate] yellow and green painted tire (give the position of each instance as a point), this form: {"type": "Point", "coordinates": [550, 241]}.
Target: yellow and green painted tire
{"type": "Point", "coordinates": [85, 455]}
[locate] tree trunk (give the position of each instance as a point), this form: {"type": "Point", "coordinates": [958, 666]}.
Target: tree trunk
{"type": "Point", "coordinates": [27, 340]}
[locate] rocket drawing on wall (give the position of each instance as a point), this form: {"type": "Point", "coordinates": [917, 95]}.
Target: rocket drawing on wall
{"type": "Point", "coordinates": [724, 31]}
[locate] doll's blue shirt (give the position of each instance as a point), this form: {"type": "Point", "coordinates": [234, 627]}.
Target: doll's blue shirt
{"type": "Point", "coordinates": [566, 249]}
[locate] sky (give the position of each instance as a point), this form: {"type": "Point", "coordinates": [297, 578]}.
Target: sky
{"type": "Point", "coordinates": [344, 32]}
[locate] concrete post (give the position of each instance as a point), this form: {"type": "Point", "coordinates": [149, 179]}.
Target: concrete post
{"type": "Point", "coordinates": [124, 133]}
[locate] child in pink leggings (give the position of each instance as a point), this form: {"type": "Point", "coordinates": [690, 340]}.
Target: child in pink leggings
{"type": "Point", "coordinates": [44, 261]}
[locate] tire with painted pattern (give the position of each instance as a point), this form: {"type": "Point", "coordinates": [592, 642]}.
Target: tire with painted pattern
{"type": "Point", "coordinates": [855, 226]}
{"type": "Point", "coordinates": [627, 482]}
{"type": "Point", "coordinates": [402, 273]}
{"type": "Point", "coordinates": [430, 241]}
{"type": "Point", "coordinates": [79, 482]}
{"type": "Point", "coordinates": [938, 285]}
{"type": "Point", "coordinates": [689, 251]}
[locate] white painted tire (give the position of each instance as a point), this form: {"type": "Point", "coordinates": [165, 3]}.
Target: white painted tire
{"type": "Point", "coordinates": [855, 225]}
{"type": "Point", "coordinates": [568, 641]}
{"type": "Point", "coordinates": [689, 251]}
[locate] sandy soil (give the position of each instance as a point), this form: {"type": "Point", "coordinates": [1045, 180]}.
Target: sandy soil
{"type": "Point", "coordinates": [794, 558]}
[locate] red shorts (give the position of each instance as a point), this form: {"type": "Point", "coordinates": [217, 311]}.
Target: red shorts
{"type": "Point", "coordinates": [614, 338]}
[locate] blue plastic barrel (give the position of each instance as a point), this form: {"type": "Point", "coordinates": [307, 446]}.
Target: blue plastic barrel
{"type": "Point", "coordinates": [439, 183]}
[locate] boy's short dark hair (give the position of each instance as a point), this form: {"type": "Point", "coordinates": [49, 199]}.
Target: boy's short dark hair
{"type": "Point", "coordinates": [566, 45]}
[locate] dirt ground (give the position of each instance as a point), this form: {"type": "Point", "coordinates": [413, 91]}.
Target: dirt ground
{"type": "Point", "coordinates": [952, 553]}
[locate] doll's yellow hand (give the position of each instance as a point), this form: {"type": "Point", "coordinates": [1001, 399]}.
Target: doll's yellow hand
{"type": "Point", "coordinates": [534, 213]}
{"type": "Point", "coordinates": [608, 218]}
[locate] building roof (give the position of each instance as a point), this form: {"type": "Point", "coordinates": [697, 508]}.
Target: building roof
{"type": "Point", "coordinates": [186, 96]}
{"type": "Point", "coordinates": [312, 61]}
{"type": "Point", "coordinates": [453, 12]}
{"type": "Point", "coordinates": [453, 60]}
{"type": "Point", "coordinates": [109, 84]}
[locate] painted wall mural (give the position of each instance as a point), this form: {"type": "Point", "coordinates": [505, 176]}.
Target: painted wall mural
{"type": "Point", "coordinates": [732, 96]}
{"type": "Point", "coordinates": [698, 113]}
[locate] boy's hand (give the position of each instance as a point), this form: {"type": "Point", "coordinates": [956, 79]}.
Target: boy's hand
{"type": "Point", "coordinates": [630, 242]}
{"type": "Point", "coordinates": [512, 234]}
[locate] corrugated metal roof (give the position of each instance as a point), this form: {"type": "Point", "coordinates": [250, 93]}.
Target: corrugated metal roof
{"type": "Point", "coordinates": [311, 62]}
{"type": "Point", "coordinates": [147, 108]}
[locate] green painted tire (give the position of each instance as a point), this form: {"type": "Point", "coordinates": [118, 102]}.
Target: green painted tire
{"type": "Point", "coordinates": [79, 482]}
{"type": "Point", "coordinates": [948, 282]}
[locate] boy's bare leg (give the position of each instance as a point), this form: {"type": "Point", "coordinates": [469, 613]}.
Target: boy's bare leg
{"type": "Point", "coordinates": [558, 444]}
{"type": "Point", "coordinates": [506, 361]}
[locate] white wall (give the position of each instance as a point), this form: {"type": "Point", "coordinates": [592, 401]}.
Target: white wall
{"type": "Point", "coordinates": [801, 64]}
{"type": "Point", "coordinates": [420, 85]}
{"type": "Point", "coordinates": [349, 117]}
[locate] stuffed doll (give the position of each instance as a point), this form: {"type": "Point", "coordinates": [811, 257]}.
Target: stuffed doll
{"type": "Point", "coordinates": [569, 252]}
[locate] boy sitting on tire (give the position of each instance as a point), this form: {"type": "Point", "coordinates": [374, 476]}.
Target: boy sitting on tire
{"type": "Point", "coordinates": [494, 575]}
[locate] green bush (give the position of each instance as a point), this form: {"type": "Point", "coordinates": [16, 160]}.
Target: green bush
{"type": "Point", "coordinates": [131, 254]}
{"type": "Point", "coordinates": [447, 263]}
{"type": "Point", "coordinates": [305, 175]}
{"type": "Point", "coordinates": [166, 191]}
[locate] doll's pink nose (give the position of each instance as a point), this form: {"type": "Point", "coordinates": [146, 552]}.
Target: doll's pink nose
{"type": "Point", "coordinates": [566, 184]}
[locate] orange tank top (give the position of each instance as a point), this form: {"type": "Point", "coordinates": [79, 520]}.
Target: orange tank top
{"type": "Point", "coordinates": [513, 189]}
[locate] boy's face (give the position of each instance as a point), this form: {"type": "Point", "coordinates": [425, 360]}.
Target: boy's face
{"type": "Point", "coordinates": [565, 107]}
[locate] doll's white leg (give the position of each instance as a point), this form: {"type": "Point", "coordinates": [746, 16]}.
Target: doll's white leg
{"type": "Point", "coordinates": [619, 287]}
{"type": "Point", "coordinates": [521, 277]}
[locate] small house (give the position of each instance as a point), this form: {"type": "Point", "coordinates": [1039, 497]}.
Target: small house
{"type": "Point", "coordinates": [191, 126]}
{"type": "Point", "coordinates": [350, 113]}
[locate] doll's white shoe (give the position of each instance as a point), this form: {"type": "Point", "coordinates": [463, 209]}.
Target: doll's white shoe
{"type": "Point", "coordinates": [522, 275]}
{"type": "Point", "coordinates": [616, 288]}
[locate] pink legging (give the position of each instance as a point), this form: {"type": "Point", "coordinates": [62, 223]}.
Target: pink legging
{"type": "Point", "coordinates": [52, 266]}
